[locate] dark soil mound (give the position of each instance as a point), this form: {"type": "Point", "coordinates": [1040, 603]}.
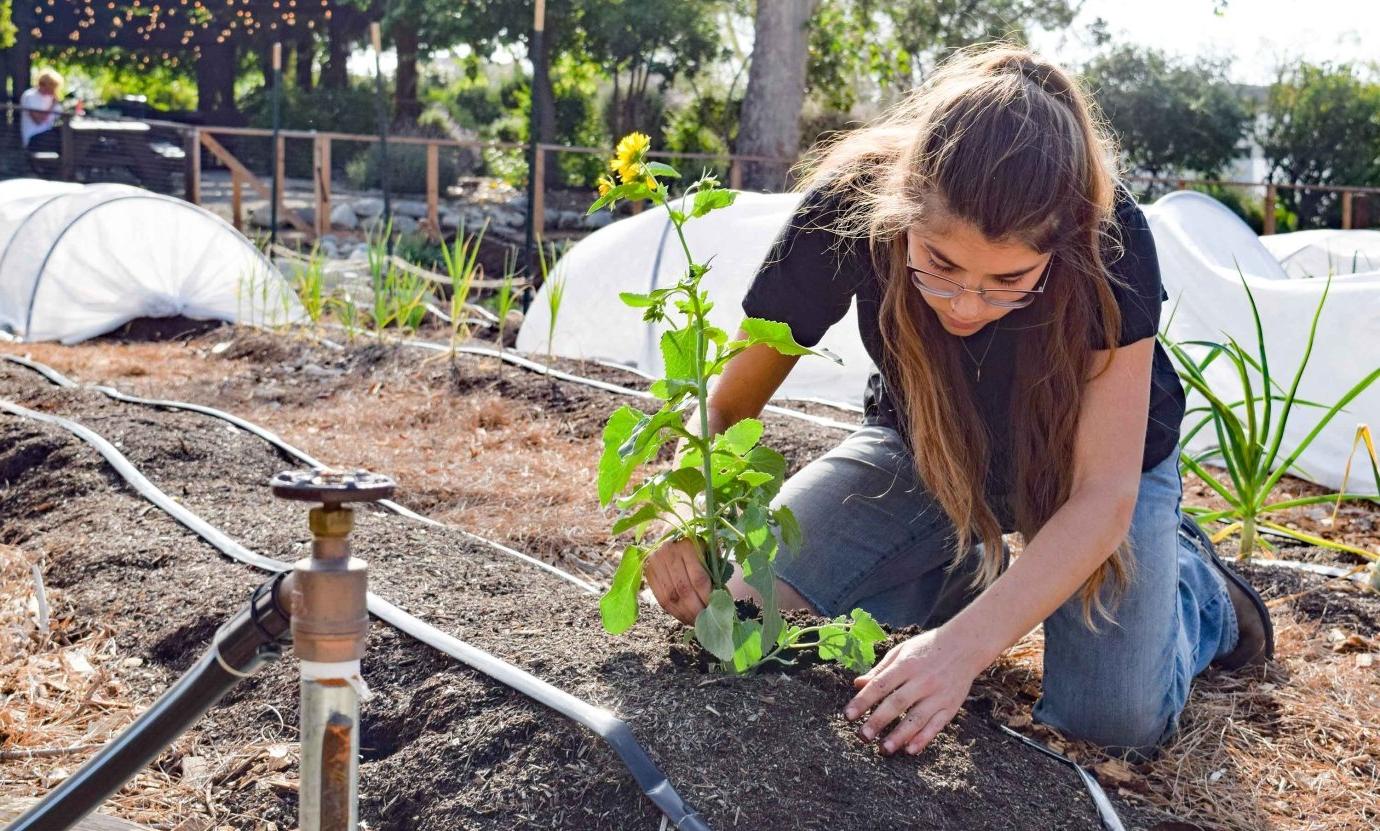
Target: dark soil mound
{"type": "Point", "coordinates": [444, 747]}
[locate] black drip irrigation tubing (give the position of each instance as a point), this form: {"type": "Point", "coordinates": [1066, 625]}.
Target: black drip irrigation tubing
{"type": "Point", "coordinates": [609, 727]}
{"type": "Point", "coordinates": [58, 379]}
{"type": "Point", "coordinates": [603, 723]}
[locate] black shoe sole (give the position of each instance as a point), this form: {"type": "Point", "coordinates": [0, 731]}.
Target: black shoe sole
{"type": "Point", "coordinates": [1195, 533]}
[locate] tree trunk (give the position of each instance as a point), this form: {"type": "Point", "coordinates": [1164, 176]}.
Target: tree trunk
{"type": "Point", "coordinates": [20, 54]}
{"type": "Point", "coordinates": [405, 104]}
{"type": "Point", "coordinates": [215, 83]}
{"type": "Point", "coordinates": [770, 123]}
{"type": "Point", "coordinates": [333, 74]}
{"type": "Point", "coordinates": [544, 98]}
{"type": "Point", "coordinates": [306, 55]}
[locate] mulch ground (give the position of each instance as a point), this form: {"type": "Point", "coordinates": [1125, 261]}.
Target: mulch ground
{"type": "Point", "coordinates": [511, 455]}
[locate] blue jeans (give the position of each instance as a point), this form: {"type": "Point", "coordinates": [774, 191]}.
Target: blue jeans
{"type": "Point", "coordinates": [875, 538]}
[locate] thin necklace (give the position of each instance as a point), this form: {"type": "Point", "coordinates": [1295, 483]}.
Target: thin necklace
{"type": "Point", "coordinates": [976, 361]}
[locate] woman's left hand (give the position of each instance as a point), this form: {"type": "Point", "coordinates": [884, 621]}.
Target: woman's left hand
{"type": "Point", "coordinates": [922, 682]}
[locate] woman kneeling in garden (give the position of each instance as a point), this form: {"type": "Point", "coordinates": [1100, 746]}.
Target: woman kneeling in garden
{"type": "Point", "coordinates": [1007, 287]}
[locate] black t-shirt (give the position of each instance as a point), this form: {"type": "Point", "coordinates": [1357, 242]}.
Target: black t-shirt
{"type": "Point", "coordinates": [811, 275]}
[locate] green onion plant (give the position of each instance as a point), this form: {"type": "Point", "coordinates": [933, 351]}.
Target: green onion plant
{"type": "Point", "coordinates": [1249, 423]}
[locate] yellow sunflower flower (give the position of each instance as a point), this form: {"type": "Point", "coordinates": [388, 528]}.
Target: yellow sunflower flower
{"type": "Point", "coordinates": [630, 156]}
{"type": "Point", "coordinates": [605, 185]}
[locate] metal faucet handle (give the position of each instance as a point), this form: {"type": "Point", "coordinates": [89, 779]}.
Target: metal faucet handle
{"type": "Point", "coordinates": [332, 487]}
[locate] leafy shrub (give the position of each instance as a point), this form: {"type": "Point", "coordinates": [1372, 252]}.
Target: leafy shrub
{"type": "Point", "coordinates": [406, 168]}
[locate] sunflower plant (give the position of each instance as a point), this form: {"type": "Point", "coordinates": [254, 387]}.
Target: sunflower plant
{"type": "Point", "coordinates": [718, 492]}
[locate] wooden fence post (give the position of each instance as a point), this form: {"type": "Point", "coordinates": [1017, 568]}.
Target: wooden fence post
{"type": "Point", "coordinates": [433, 190]}
{"type": "Point", "coordinates": [1346, 210]}
{"type": "Point", "coordinates": [321, 176]}
{"type": "Point", "coordinates": [539, 193]}
{"type": "Point", "coordinates": [735, 175]}
{"type": "Point", "coordinates": [1269, 209]}
{"type": "Point", "coordinates": [192, 173]}
{"type": "Point", "coordinates": [236, 201]}
{"type": "Point", "coordinates": [281, 170]}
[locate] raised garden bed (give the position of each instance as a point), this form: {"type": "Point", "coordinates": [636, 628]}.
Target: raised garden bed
{"type": "Point", "coordinates": [445, 747]}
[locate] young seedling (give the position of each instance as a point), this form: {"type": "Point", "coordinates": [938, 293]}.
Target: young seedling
{"type": "Point", "coordinates": [555, 295]}
{"type": "Point", "coordinates": [462, 264]}
{"type": "Point", "coordinates": [310, 281]}
{"type": "Point", "coordinates": [505, 300]}
{"type": "Point", "coordinates": [1250, 425]}
{"type": "Point", "coordinates": [718, 492]}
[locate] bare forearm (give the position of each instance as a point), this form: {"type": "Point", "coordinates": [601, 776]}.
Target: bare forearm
{"type": "Point", "coordinates": [1077, 539]}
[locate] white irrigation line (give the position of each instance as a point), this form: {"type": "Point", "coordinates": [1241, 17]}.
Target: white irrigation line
{"type": "Point", "coordinates": [618, 389]}
{"type": "Point", "coordinates": [599, 720]}
{"type": "Point", "coordinates": [272, 438]}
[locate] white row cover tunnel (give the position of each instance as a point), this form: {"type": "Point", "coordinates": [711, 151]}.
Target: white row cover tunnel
{"type": "Point", "coordinates": [77, 261]}
{"type": "Point", "coordinates": [1205, 253]}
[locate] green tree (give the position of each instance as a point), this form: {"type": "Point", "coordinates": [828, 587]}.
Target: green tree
{"type": "Point", "coordinates": [1322, 128]}
{"type": "Point", "coordinates": [6, 25]}
{"type": "Point", "coordinates": [894, 43]}
{"type": "Point", "coordinates": [1170, 116]}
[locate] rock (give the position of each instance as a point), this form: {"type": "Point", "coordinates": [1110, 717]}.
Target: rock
{"type": "Point", "coordinates": [261, 217]}
{"type": "Point", "coordinates": [410, 207]}
{"type": "Point", "coordinates": [507, 219]}
{"type": "Point", "coordinates": [401, 225]}
{"type": "Point", "coordinates": [553, 218]}
{"type": "Point", "coordinates": [361, 252]}
{"type": "Point", "coordinates": [368, 208]}
{"type": "Point", "coordinates": [308, 214]}
{"type": "Point", "coordinates": [569, 220]}
{"type": "Point", "coordinates": [450, 220]}
{"type": "Point", "coordinates": [518, 203]}
{"type": "Point", "coordinates": [596, 220]}
{"type": "Point", "coordinates": [330, 249]}
{"type": "Point", "coordinates": [511, 326]}
{"type": "Point", "coordinates": [343, 216]}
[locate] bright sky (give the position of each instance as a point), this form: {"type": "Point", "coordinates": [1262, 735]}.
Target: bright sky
{"type": "Point", "coordinates": [1257, 34]}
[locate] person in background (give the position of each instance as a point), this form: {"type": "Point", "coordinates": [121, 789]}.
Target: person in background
{"type": "Point", "coordinates": [39, 111]}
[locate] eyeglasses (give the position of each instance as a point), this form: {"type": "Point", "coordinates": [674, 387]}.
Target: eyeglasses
{"type": "Point", "coordinates": [931, 283]}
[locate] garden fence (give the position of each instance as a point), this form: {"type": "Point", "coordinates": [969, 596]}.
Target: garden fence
{"type": "Point", "coordinates": [231, 170]}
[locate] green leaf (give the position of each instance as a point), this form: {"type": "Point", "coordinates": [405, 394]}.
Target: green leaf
{"type": "Point", "coordinates": [671, 389]}
{"type": "Point", "coordinates": [614, 469]}
{"type": "Point", "coordinates": [866, 628]}
{"type": "Point", "coordinates": [636, 300]}
{"type": "Point", "coordinates": [790, 528]}
{"type": "Point", "coordinates": [662, 169]}
{"type": "Point", "coordinates": [646, 437]}
{"type": "Point", "coordinates": [679, 351]}
{"type": "Point", "coordinates": [758, 574]}
{"type": "Point", "coordinates": [768, 461]}
{"type": "Point", "coordinates": [740, 438]}
{"type": "Point", "coordinates": [687, 480]}
{"type": "Point", "coordinates": [714, 625]}
{"type": "Point", "coordinates": [774, 334]}
{"type": "Point", "coordinates": [712, 199]}
{"type": "Point", "coordinates": [618, 606]}
{"type": "Point", "coordinates": [748, 638]}
{"type": "Point", "coordinates": [754, 478]}
{"type": "Point", "coordinates": [640, 517]}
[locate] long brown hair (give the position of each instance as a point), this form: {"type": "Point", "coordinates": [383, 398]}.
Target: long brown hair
{"type": "Point", "coordinates": [1006, 141]}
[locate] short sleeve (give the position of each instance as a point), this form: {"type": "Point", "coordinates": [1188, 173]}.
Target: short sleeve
{"type": "Point", "coordinates": [810, 274]}
{"type": "Point", "coordinates": [1135, 268]}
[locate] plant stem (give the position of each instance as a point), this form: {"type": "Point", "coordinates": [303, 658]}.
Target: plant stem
{"type": "Point", "coordinates": [712, 557]}
{"type": "Point", "coordinates": [1247, 536]}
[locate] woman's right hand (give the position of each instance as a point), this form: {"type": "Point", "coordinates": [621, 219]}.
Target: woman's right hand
{"type": "Point", "coordinates": [676, 576]}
